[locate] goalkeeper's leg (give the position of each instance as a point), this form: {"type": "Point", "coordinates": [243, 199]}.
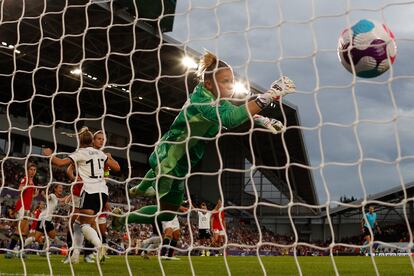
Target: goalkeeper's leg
{"type": "Point", "coordinates": [171, 193]}
{"type": "Point", "coordinates": [164, 161]}
{"type": "Point", "coordinates": [170, 201]}
{"type": "Point", "coordinates": [145, 187]}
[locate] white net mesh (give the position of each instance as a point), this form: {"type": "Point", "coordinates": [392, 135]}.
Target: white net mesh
{"type": "Point", "coordinates": [117, 66]}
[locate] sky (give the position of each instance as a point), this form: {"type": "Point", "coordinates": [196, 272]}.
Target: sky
{"type": "Point", "coordinates": [358, 132]}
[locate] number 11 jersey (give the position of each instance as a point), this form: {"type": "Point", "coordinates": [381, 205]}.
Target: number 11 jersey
{"type": "Point", "coordinates": [90, 164]}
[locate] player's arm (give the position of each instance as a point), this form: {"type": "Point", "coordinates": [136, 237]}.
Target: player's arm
{"type": "Point", "coordinates": [229, 115]}
{"type": "Point", "coordinates": [217, 207]}
{"type": "Point", "coordinates": [59, 162]}
{"type": "Point", "coordinates": [22, 184]}
{"type": "Point", "coordinates": [112, 163]}
{"type": "Point", "coordinates": [61, 200]}
{"type": "Point", "coordinates": [64, 200]}
{"type": "Point", "coordinates": [232, 116]}
{"type": "Point", "coordinates": [362, 223]}
{"type": "Point", "coordinates": [70, 172]}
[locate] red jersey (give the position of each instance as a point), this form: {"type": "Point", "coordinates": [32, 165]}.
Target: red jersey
{"type": "Point", "coordinates": [36, 216]}
{"type": "Point", "coordinates": [77, 187]}
{"type": "Point", "coordinates": [218, 221]}
{"type": "Point", "coordinates": [27, 190]}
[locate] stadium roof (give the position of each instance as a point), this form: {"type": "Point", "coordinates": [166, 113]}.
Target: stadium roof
{"type": "Point", "coordinates": [394, 195]}
{"type": "Point", "coordinates": [91, 66]}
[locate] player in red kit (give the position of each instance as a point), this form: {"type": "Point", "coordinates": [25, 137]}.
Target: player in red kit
{"type": "Point", "coordinates": [36, 215]}
{"type": "Point", "coordinates": [38, 210]}
{"type": "Point", "coordinates": [218, 224]}
{"type": "Point", "coordinates": [27, 191]}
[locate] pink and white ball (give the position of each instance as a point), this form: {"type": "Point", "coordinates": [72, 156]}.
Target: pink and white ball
{"type": "Point", "coordinates": [369, 46]}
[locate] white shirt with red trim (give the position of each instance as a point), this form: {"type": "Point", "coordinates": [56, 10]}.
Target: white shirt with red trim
{"type": "Point", "coordinates": [90, 164]}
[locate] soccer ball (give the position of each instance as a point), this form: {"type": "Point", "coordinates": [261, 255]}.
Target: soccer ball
{"type": "Point", "coordinates": [367, 46]}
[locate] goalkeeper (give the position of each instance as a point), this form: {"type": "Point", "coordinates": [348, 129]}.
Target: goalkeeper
{"type": "Point", "coordinates": [202, 116]}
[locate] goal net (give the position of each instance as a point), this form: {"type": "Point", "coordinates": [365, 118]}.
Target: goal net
{"type": "Point", "coordinates": [258, 200]}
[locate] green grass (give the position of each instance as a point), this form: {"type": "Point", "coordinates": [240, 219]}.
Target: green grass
{"type": "Point", "coordinates": [116, 265]}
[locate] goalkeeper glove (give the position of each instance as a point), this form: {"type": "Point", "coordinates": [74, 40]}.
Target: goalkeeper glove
{"type": "Point", "coordinates": [282, 87]}
{"type": "Point", "coordinates": [271, 124]}
{"type": "Point", "coordinates": [279, 88]}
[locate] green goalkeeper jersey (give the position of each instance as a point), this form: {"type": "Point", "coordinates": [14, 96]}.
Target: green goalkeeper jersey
{"type": "Point", "coordinates": [201, 117]}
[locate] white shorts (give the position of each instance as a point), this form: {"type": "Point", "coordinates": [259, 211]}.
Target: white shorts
{"type": "Point", "coordinates": [76, 201]}
{"type": "Point", "coordinates": [174, 224]}
{"type": "Point", "coordinates": [219, 232]}
{"type": "Point", "coordinates": [22, 213]}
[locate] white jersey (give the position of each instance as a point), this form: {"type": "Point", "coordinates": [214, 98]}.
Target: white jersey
{"type": "Point", "coordinates": [204, 220]}
{"type": "Point", "coordinates": [50, 209]}
{"type": "Point", "coordinates": [90, 164]}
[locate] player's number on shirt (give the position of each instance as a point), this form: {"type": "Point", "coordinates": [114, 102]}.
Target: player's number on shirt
{"type": "Point", "coordinates": [90, 161]}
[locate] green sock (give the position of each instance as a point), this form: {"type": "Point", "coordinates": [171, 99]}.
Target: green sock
{"type": "Point", "coordinates": [137, 217]}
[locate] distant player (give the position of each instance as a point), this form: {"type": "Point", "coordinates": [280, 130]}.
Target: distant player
{"type": "Point", "coordinates": [372, 223]}
{"type": "Point", "coordinates": [149, 244]}
{"type": "Point", "coordinates": [89, 163]}
{"type": "Point", "coordinates": [171, 235]}
{"type": "Point", "coordinates": [22, 208]}
{"type": "Point", "coordinates": [218, 224]}
{"type": "Point", "coordinates": [36, 213]}
{"type": "Point", "coordinates": [204, 234]}
{"type": "Point", "coordinates": [45, 225]}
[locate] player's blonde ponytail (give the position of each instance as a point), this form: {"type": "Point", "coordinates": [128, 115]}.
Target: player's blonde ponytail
{"type": "Point", "coordinates": [208, 65]}
{"type": "Point", "coordinates": [69, 134]}
{"type": "Point", "coordinates": [85, 137]}
{"type": "Point", "coordinates": [205, 62]}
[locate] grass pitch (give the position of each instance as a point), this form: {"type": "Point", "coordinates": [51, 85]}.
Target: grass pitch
{"type": "Point", "coordinates": [116, 265]}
